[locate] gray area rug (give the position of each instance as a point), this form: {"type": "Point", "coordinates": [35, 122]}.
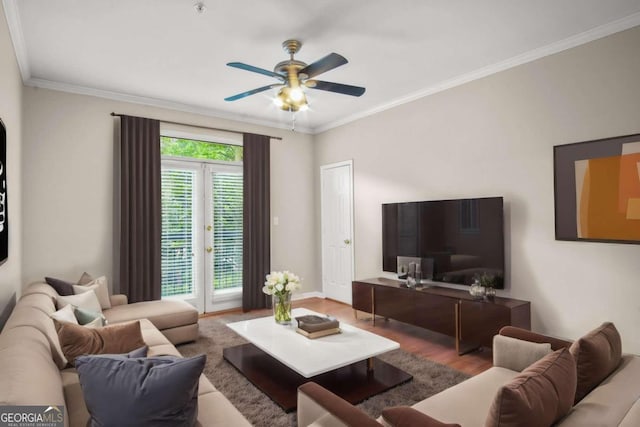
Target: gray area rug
{"type": "Point", "coordinates": [428, 377]}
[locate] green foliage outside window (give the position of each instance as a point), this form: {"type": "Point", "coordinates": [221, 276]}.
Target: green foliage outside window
{"type": "Point", "coordinates": [180, 147]}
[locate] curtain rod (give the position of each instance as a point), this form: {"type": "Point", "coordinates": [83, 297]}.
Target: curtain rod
{"type": "Point", "coordinates": [200, 126]}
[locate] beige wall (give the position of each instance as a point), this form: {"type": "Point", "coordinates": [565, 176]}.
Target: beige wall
{"type": "Point", "coordinates": [495, 136]}
{"type": "Point", "coordinates": [11, 114]}
{"type": "Point", "coordinates": [69, 185]}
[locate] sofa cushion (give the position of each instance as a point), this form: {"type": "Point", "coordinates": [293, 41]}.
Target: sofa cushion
{"type": "Point", "coordinates": [77, 340]}
{"type": "Point", "coordinates": [41, 288]}
{"type": "Point", "coordinates": [88, 301]}
{"type": "Point", "coordinates": [147, 392]}
{"type": "Point", "coordinates": [515, 354]}
{"type": "Point", "coordinates": [62, 287]}
{"type": "Point", "coordinates": [164, 314]}
{"type": "Point", "coordinates": [100, 286]}
{"type": "Point", "coordinates": [25, 315]}
{"type": "Point", "coordinates": [29, 376]}
{"type": "Point", "coordinates": [540, 395]}
{"type": "Point", "coordinates": [615, 402]}
{"type": "Point", "coordinates": [597, 354]}
{"type": "Point", "coordinates": [404, 416]}
{"type": "Point", "coordinates": [42, 302]}
{"type": "Point", "coordinates": [474, 395]}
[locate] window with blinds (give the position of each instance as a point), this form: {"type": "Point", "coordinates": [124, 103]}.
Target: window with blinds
{"type": "Point", "coordinates": [227, 229]}
{"type": "Point", "coordinates": [177, 232]}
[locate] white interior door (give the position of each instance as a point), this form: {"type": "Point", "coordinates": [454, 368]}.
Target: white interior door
{"type": "Point", "coordinates": [337, 230]}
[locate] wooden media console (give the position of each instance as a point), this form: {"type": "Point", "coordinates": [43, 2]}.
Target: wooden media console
{"type": "Point", "coordinates": [472, 322]}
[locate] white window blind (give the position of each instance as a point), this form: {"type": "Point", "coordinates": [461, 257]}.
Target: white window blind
{"type": "Point", "coordinates": [227, 229]}
{"type": "Point", "coordinates": [177, 232]}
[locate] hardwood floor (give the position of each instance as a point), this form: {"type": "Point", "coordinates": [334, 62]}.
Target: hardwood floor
{"type": "Point", "coordinates": [421, 342]}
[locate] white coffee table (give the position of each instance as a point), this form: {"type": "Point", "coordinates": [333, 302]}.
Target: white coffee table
{"type": "Point", "coordinates": [278, 360]}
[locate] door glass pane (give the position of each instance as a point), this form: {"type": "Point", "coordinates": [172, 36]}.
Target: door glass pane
{"type": "Point", "coordinates": [227, 230]}
{"type": "Point", "coordinates": [177, 232]}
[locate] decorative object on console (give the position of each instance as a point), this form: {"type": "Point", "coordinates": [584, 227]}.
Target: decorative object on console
{"type": "Point", "coordinates": [476, 290]}
{"type": "Point", "coordinates": [280, 285]}
{"type": "Point", "coordinates": [487, 282]}
{"type": "Point", "coordinates": [597, 190]}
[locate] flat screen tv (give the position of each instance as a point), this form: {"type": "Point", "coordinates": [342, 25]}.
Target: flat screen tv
{"type": "Point", "coordinates": [455, 239]}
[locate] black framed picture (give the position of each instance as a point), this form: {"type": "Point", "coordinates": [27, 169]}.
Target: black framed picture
{"type": "Point", "coordinates": [597, 190]}
{"type": "Point", "coordinates": [4, 210]}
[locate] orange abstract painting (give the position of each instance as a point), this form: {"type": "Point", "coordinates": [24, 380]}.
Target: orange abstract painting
{"type": "Point", "coordinates": [608, 196]}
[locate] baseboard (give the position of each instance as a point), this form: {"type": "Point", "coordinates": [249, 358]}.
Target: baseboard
{"type": "Point", "coordinates": [314, 294]}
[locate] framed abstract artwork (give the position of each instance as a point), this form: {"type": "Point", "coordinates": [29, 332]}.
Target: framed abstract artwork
{"type": "Point", "coordinates": [597, 190]}
{"type": "Point", "coordinates": [4, 220]}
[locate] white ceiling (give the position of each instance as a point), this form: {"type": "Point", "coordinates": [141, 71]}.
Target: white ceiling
{"type": "Point", "coordinates": [161, 52]}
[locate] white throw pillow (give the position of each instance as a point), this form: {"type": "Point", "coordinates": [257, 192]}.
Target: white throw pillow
{"type": "Point", "coordinates": [98, 322]}
{"type": "Point", "coordinates": [100, 286]}
{"type": "Point", "coordinates": [65, 314]}
{"type": "Point", "coordinates": [515, 354]}
{"type": "Point", "coordinates": [87, 300]}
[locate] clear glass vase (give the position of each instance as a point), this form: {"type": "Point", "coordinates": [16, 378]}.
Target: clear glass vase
{"type": "Point", "coordinates": [282, 308]}
{"type": "Point", "coordinates": [476, 290]}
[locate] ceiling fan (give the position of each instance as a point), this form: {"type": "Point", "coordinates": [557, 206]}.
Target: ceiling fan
{"type": "Point", "coordinates": [294, 76]}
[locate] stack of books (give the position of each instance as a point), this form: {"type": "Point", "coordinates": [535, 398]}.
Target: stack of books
{"type": "Point", "coordinates": [312, 326]}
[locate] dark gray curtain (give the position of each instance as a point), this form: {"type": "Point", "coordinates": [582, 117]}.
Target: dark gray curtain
{"type": "Point", "coordinates": [256, 256]}
{"type": "Point", "coordinates": [140, 209]}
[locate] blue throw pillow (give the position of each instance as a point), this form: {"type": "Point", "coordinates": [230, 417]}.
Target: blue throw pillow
{"type": "Point", "coordinates": [158, 391]}
{"type": "Point", "coordinates": [85, 317]}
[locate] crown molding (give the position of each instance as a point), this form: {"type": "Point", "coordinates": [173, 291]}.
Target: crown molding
{"type": "Point", "coordinates": [160, 103]}
{"type": "Point", "coordinates": [550, 49]}
{"type": "Point", "coordinates": [14, 23]}
{"type": "Point", "coordinates": [19, 45]}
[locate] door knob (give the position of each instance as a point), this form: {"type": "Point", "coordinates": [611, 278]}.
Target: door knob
{"type": "Point", "coordinates": [347, 241]}
{"type": "Point", "coordinates": [209, 228]}
{"type": "Point", "coordinates": [209, 249]}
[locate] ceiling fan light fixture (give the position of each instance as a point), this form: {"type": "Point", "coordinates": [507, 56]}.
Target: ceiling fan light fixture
{"type": "Point", "coordinates": [296, 94]}
{"type": "Point", "coordinates": [291, 99]}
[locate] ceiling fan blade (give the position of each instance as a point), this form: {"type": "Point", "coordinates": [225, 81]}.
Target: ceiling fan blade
{"type": "Point", "coordinates": [247, 67]}
{"type": "Point", "coordinates": [329, 62]}
{"type": "Point", "coordinates": [251, 92]}
{"type": "Point", "coordinates": [335, 87]}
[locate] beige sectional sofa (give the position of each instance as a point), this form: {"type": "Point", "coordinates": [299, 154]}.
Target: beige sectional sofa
{"type": "Point", "coordinates": [29, 349]}
{"type": "Point", "coordinates": [615, 401]}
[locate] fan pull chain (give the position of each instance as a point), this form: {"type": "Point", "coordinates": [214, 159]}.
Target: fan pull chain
{"type": "Point", "coordinates": [293, 121]}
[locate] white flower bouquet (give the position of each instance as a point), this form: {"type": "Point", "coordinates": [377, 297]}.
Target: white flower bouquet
{"type": "Point", "coordinates": [280, 285]}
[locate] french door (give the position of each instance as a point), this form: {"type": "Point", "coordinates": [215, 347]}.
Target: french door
{"type": "Point", "coordinates": [202, 233]}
